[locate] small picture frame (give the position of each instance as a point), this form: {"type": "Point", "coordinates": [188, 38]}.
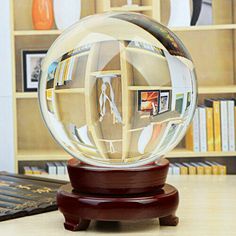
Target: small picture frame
{"type": "Point", "coordinates": [148, 101]}
{"type": "Point", "coordinates": [164, 101]}
{"type": "Point", "coordinates": [32, 68]}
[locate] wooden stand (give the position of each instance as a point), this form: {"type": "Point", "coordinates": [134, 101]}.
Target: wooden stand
{"type": "Point", "coordinates": [104, 194]}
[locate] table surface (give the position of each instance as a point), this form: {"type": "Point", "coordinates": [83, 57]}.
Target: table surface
{"type": "Point", "coordinates": [207, 207]}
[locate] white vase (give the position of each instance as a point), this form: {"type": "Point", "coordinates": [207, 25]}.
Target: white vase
{"type": "Point", "coordinates": [66, 12]}
{"type": "Point", "coordinates": [180, 13]}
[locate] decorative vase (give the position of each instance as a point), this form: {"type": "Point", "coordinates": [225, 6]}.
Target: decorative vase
{"type": "Point", "coordinates": [42, 14]}
{"type": "Point", "coordinates": [180, 12]}
{"type": "Point", "coordinates": [66, 12]}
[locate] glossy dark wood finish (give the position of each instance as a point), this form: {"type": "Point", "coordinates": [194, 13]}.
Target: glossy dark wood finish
{"type": "Point", "coordinates": [80, 208]}
{"type": "Point", "coordinates": [89, 179]}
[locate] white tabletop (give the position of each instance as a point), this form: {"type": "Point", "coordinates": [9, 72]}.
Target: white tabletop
{"type": "Point", "coordinates": [207, 207]}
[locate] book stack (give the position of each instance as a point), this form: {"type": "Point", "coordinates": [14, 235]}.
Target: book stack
{"type": "Point", "coordinates": [197, 168]}
{"type": "Point", "coordinates": [213, 127]}
{"type": "Point", "coordinates": [52, 168]}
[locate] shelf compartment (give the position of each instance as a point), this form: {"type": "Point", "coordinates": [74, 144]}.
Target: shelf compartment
{"type": "Point", "coordinates": [32, 133]}
{"type": "Point", "coordinates": [22, 13]}
{"type": "Point", "coordinates": [215, 64]}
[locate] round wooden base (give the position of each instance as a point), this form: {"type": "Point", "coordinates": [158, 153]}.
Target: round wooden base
{"type": "Point", "coordinates": [79, 208]}
{"type": "Point", "coordinates": [111, 194]}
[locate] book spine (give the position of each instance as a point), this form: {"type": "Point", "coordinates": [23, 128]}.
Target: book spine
{"type": "Point", "coordinates": [224, 126]}
{"type": "Point", "coordinates": [231, 125]}
{"type": "Point", "coordinates": [196, 138]}
{"type": "Point", "coordinates": [217, 126]}
{"type": "Point", "coordinates": [189, 138]}
{"type": "Point", "coordinates": [203, 134]}
{"type": "Point", "coordinates": [210, 131]}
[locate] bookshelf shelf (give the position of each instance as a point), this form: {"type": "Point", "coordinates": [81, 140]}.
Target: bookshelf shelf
{"type": "Point", "coordinates": [217, 89]}
{"type": "Point", "coordinates": [36, 32]}
{"type": "Point", "coordinates": [106, 72]}
{"type": "Point", "coordinates": [132, 8]}
{"type": "Point", "coordinates": [205, 27]}
{"type": "Point", "coordinates": [42, 155]}
{"type": "Point", "coordinates": [22, 95]}
{"type": "Point", "coordinates": [70, 91]}
{"type": "Point", "coordinates": [136, 88]}
{"type": "Point", "coordinates": [181, 153]}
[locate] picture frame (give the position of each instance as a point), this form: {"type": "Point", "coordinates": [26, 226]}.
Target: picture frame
{"type": "Point", "coordinates": [164, 101]}
{"type": "Point", "coordinates": [148, 101]}
{"type": "Point", "coordinates": [31, 67]}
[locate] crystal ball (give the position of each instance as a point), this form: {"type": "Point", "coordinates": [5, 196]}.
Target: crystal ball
{"type": "Point", "coordinates": [117, 90]}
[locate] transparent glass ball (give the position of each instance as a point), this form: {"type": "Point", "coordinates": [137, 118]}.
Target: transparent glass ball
{"type": "Point", "coordinates": [117, 90]}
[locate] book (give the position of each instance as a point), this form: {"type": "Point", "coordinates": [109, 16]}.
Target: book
{"type": "Point", "coordinates": [222, 169]}
{"type": "Point", "coordinates": [59, 168]}
{"type": "Point", "coordinates": [224, 125]}
{"type": "Point", "coordinates": [192, 140]}
{"type": "Point", "coordinates": [203, 128]}
{"type": "Point", "coordinates": [27, 170]}
{"type": "Point", "coordinates": [210, 129]}
{"type": "Point", "coordinates": [51, 168]}
{"type": "Point", "coordinates": [35, 170]}
{"type": "Point", "coordinates": [65, 168]}
{"type": "Point", "coordinates": [192, 170]}
{"type": "Point", "coordinates": [207, 168]}
{"type": "Point", "coordinates": [183, 168]}
{"type": "Point", "coordinates": [170, 170]}
{"type": "Point", "coordinates": [199, 168]}
{"type": "Point", "coordinates": [176, 170]}
{"type": "Point", "coordinates": [231, 125]}
{"type": "Point", "coordinates": [215, 104]}
{"type": "Point", "coordinates": [214, 167]}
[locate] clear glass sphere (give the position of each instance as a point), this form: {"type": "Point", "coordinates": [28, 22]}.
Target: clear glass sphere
{"type": "Point", "coordinates": [118, 90]}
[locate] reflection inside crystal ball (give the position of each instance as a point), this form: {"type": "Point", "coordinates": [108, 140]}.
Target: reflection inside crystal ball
{"type": "Point", "coordinates": [117, 90]}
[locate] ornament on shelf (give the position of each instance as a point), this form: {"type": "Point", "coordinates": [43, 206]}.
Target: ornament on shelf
{"type": "Point", "coordinates": [66, 12]}
{"type": "Point", "coordinates": [130, 4]}
{"type": "Point", "coordinates": [180, 13]}
{"type": "Point", "coordinates": [42, 14]}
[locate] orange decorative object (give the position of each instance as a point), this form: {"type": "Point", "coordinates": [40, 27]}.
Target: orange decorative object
{"type": "Point", "coordinates": [42, 14]}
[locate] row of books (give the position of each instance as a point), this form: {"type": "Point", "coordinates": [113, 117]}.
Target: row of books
{"type": "Point", "coordinates": [213, 127]}
{"type": "Point", "coordinates": [52, 168]}
{"type": "Point", "coordinates": [197, 168]}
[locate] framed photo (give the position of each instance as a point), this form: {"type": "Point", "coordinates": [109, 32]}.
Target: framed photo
{"type": "Point", "coordinates": [32, 68]}
{"type": "Point", "coordinates": [164, 101]}
{"type": "Point", "coordinates": [148, 101]}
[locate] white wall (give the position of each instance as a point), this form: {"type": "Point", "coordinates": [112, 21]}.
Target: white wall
{"type": "Point", "coordinates": [6, 101]}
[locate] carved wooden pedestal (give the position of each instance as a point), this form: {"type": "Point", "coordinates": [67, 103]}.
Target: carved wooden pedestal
{"type": "Point", "coordinates": [116, 195]}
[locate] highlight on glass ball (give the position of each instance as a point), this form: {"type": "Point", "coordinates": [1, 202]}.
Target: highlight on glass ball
{"type": "Point", "coordinates": [118, 90]}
